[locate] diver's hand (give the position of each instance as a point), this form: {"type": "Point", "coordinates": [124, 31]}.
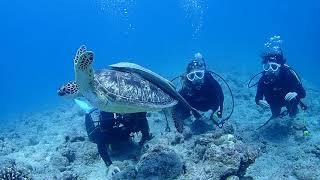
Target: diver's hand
{"type": "Point", "coordinates": [290, 96]}
{"type": "Point", "coordinates": [264, 104]}
{"type": "Point", "coordinates": [112, 170]}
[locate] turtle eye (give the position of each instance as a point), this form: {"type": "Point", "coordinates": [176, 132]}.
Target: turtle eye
{"type": "Point", "coordinates": [61, 92]}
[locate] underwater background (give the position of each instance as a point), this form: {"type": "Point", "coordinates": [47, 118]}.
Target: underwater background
{"type": "Point", "coordinates": [43, 136]}
{"type": "Point", "coordinates": [38, 39]}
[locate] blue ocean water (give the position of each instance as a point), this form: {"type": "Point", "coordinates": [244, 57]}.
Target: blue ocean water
{"type": "Point", "coordinates": [38, 39]}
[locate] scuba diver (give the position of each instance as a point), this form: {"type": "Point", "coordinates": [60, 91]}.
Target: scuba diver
{"type": "Point", "coordinates": [200, 90]}
{"type": "Point", "coordinates": [112, 128]}
{"type": "Point", "coordinates": [280, 85]}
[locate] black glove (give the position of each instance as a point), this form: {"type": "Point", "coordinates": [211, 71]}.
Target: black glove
{"type": "Point", "coordinates": [145, 138]}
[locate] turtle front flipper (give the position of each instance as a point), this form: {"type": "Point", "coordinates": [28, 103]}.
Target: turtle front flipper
{"type": "Point", "coordinates": [84, 61]}
{"type": "Point", "coordinates": [69, 90]}
{"type": "Point", "coordinates": [82, 49]}
{"type": "Point", "coordinates": [84, 71]}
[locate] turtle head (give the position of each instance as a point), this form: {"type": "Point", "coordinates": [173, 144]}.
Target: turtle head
{"type": "Point", "coordinates": [69, 90]}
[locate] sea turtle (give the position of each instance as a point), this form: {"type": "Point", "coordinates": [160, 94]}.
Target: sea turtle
{"type": "Point", "coordinates": [156, 79]}
{"type": "Point", "coordinates": [114, 91]}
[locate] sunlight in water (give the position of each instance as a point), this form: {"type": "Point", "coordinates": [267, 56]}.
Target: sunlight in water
{"type": "Point", "coordinates": [195, 11]}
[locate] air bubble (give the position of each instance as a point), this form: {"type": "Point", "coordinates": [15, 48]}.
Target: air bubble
{"type": "Point", "coordinates": [195, 11]}
{"type": "Point", "coordinates": [119, 10]}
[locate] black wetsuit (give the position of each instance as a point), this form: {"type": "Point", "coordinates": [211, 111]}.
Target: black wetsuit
{"type": "Point", "coordinates": [208, 97]}
{"type": "Point", "coordinates": [275, 92]}
{"type": "Point", "coordinates": [113, 130]}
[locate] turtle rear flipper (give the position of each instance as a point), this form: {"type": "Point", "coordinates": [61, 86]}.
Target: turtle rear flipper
{"type": "Point", "coordinates": [69, 90]}
{"type": "Point", "coordinates": [178, 123]}
{"type": "Point", "coordinates": [179, 114]}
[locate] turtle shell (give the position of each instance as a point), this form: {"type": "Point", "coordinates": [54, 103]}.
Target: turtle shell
{"type": "Point", "coordinates": [131, 90]}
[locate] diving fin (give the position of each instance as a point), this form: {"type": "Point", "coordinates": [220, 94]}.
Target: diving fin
{"type": "Point", "coordinates": [84, 105]}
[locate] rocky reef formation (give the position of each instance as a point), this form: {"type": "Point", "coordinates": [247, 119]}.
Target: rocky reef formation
{"type": "Point", "coordinates": [53, 145]}
{"type": "Point", "coordinates": [159, 161]}
{"type": "Point", "coordinates": [211, 155]}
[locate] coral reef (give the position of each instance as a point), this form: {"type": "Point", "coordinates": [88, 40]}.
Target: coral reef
{"type": "Point", "coordinates": [12, 172]}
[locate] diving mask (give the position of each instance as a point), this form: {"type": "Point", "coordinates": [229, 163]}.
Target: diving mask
{"type": "Point", "coordinates": [195, 75]}
{"type": "Point", "coordinates": [271, 66]}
